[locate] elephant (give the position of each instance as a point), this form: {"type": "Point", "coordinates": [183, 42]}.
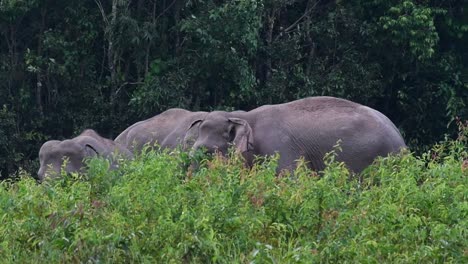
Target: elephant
{"type": "Point", "coordinates": [88, 144]}
{"type": "Point", "coordinates": [307, 128]}
{"type": "Point", "coordinates": [167, 129]}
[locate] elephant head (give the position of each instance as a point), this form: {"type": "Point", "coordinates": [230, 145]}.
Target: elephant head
{"type": "Point", "coordinates": [53, 153]}
{"type": "Point", "coordinates": [218, 131]}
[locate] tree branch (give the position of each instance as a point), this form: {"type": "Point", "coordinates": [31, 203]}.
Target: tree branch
{"type": "Point", "coordinates": [103, 13]}
{"type": "Point", "coordinates": [306, 13]}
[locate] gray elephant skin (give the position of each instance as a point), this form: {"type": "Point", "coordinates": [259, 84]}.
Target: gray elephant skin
{"type": "Point", "coordinates": [87, 144]}
{"type": "Point", "coordinates": [167, 129]}
{"type": "Point", "coordinates": [307, 128]}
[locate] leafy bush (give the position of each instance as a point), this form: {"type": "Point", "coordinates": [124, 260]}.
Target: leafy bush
{"type": "Point", "coordinates": [401, 209]}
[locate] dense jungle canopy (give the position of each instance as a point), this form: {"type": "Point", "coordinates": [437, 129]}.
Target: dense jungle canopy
{"type": "Point", "coordinates": [70, 65]}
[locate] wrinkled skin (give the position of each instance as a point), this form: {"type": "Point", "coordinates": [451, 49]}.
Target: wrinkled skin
{"type": "Point", "coordinates": [167, 129]}
{"type": "Point", "coordinates": [307, 128]}
{"type": "Point", "coordinates": [87, 144]}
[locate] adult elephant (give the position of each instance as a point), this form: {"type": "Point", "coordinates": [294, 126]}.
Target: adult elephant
{"type": "Point", "coordinates": [87, 144]}
{"type": "Point", "coordinates": [306, 128]}
{"type": "Point", "coordinates": [167, 129]}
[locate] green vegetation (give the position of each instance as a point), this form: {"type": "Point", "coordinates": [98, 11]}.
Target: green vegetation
{"type": "Point", "coordinates": [402, 209]}
{"type": "Point", "coordinates": [67, 65]}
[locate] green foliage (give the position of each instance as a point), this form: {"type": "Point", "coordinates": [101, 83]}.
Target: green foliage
{"type": "Point", "coordinates": [7, 127]}
{"type": "Point", "coordinates": [422, 77]}
{"type": "Point", "coordinates": [401, 209]}
{"type": "Point", "coordinates": [412, 24]}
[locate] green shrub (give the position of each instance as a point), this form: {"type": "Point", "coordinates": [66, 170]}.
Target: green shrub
{"type": "Point", "coordinates": [401, 209]}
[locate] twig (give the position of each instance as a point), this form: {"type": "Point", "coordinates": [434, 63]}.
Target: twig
{"type": "Point", "coordinates": [126, 83]}
{"type": "Point", "coordinates": [165, 10]}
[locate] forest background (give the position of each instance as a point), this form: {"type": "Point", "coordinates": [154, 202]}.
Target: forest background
{"type": "Point", "coordinates": [69, 65]}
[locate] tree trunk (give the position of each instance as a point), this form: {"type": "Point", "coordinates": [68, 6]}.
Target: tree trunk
{"type": "Point", "coordinates": [111, 58]}
{"type": "Point", "coordinates": [148, 46]}
{"type": "Point", "coordinates": [177, 8]}
{"type": "Point", "coordinates": [39, 72]}
{"type": "Point", "coordinates": [269, 41]}
{"type": "Point", "coordinates": [309, 40]}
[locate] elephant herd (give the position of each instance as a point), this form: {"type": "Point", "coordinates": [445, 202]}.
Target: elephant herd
{"type": "Point", "coordinates": [307, 128]}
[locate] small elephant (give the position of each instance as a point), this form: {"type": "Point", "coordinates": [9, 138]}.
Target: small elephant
{"type": "Point", "coordinates": [87, 144]}
{"type": "Point", "coordinates": [307, 128]}
{"type": "Point", "coordinates": [167, 129]}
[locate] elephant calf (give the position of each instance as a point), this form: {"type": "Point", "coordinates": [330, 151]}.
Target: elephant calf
{"type": "Point", "coordinates": [167, 129]}
{"type": "Point", "coordinates": [87, 144]}
{"type": "Point", "coordinates": [307, 128]}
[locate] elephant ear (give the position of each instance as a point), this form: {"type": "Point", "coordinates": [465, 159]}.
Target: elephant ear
{"type": "Point", "coordinates": [90, 151]}
{"type": "Point", "coordinates": [242, 135]}
{"type": "Point", "coordinates": [191, 134]}
{"type": "Point", "coordinates": [93, 147]}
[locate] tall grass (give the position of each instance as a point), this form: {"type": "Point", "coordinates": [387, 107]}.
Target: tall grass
{"type": "Point", "coordinates": [401, 209]}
